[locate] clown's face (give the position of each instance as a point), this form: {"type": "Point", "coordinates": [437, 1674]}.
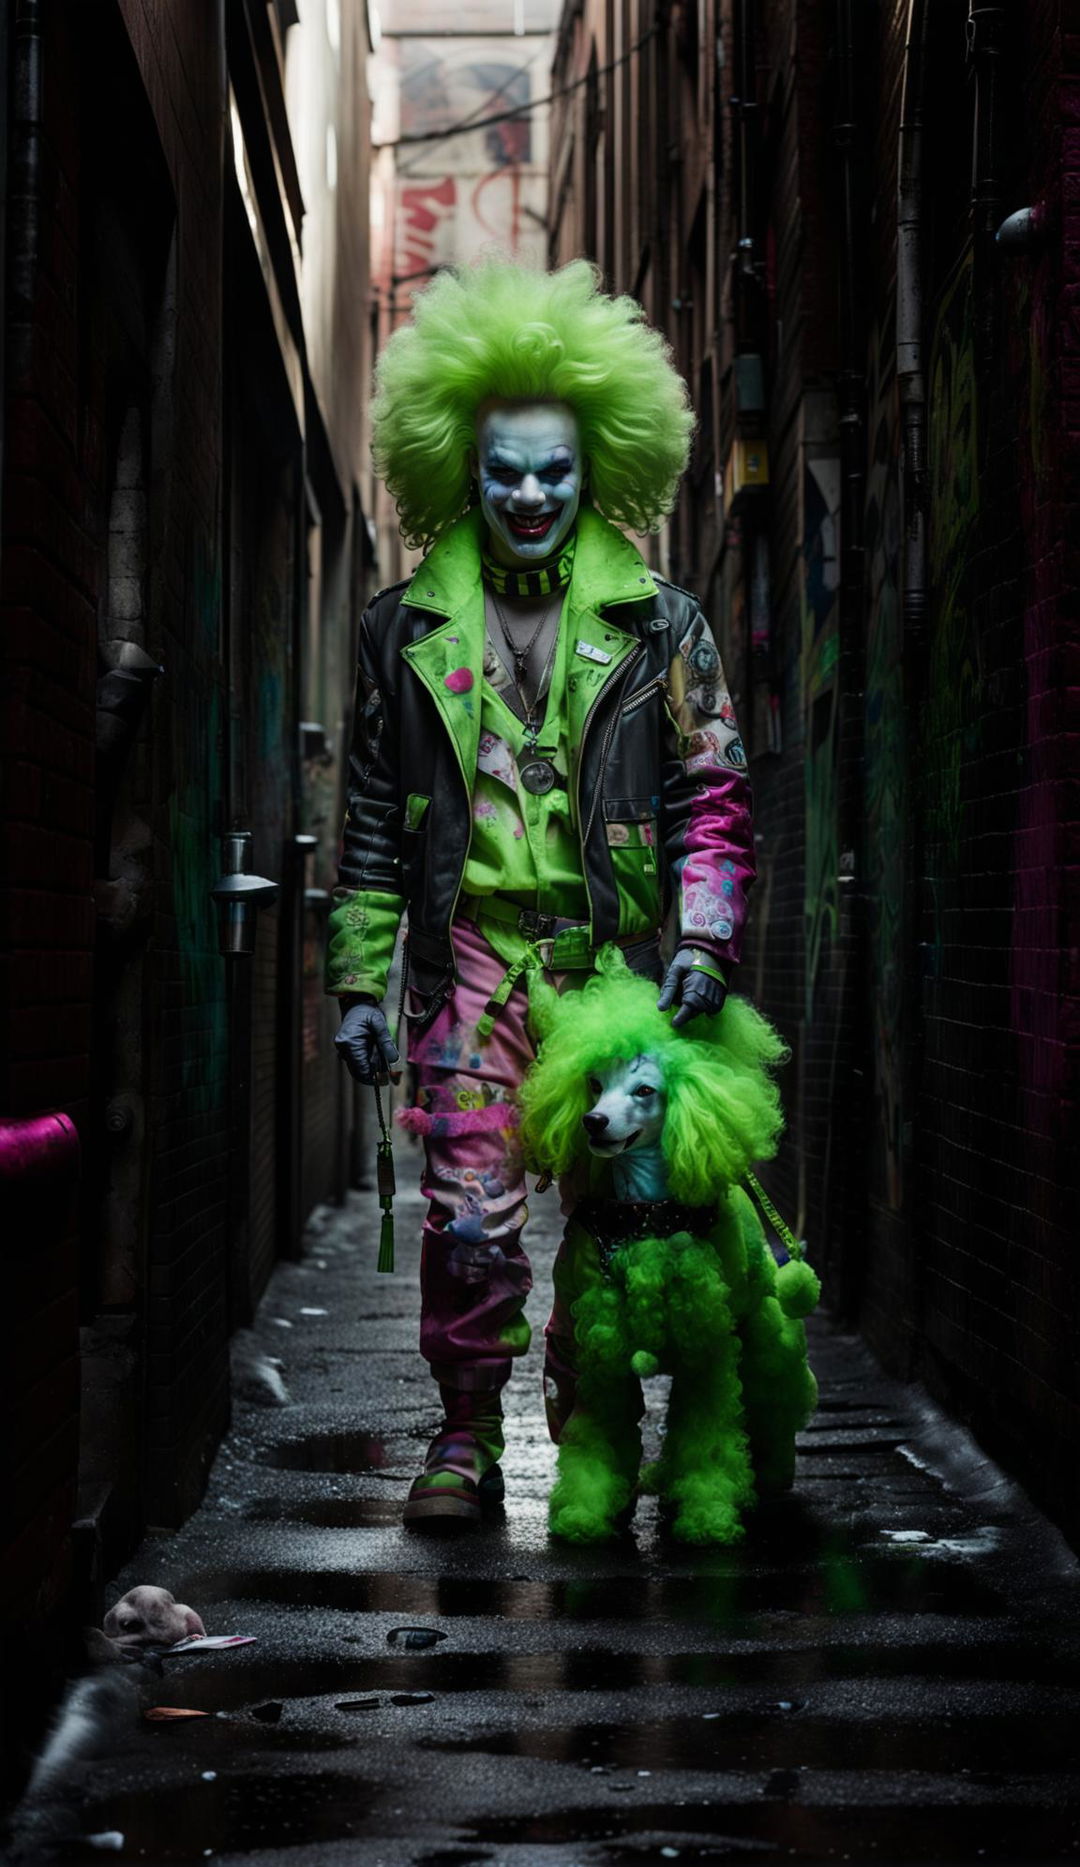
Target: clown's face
{"type": "Point", "coordinates": [529, 468]}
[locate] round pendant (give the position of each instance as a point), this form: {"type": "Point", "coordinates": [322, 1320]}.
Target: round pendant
{"type": "Point", "coordinates": [537, 776]}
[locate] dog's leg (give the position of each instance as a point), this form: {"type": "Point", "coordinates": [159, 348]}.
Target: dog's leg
{"type": "Point", "coordinates": [779, 1393]}
{"type": "Point", "coordinates": [779, 1390]}
{"type": "Point", "coordinates": [599, 1455]}
{"type": "Point", "coordinates": [706, 1476]}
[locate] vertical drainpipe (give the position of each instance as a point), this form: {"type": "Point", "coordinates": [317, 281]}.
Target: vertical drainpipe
{"type": "Point", "coordinates": [850, 1105]}
{"type": "Point", "coordinates": [914, 491]}
{"type": "Point", "coordinates": [985, 28]}
{"type": "Point", "coordinates": [24, 180]}
{"type": "Point", "coordinates": [909, 322]}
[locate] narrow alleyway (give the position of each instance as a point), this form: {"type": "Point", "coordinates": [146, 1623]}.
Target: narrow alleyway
{"type": "Point", "coordinates": [889, 1671]}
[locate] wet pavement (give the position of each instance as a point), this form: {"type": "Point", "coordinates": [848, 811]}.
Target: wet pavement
{"type": "Point", "coordinates": [888, 1670]}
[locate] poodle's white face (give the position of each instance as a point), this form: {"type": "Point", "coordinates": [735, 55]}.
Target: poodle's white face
{"type": "Point", "coordinates": [627, 1111]}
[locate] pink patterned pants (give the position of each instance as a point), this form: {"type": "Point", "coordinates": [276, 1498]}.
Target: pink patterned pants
{"type": "Point", "coordinates": [474, 1274]}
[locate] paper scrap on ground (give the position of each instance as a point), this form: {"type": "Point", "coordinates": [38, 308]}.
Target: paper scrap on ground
{"type": "Point", "coordinates": [203, 1643]}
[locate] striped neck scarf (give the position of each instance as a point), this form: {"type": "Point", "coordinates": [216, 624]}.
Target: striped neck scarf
{"type": "Point", "coordinates": [539, 580]}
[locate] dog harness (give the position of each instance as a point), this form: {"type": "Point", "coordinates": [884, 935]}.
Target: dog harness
{"type": "Point", "coordinates": [617, 1222]}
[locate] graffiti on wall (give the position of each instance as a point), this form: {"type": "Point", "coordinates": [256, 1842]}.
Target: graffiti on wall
{"type": "Point", "coordinates": [457, 195]}
{"type": "Point", "coordinates": [885, 756]}
{"type": "Point", "coordinates": [820, 658]}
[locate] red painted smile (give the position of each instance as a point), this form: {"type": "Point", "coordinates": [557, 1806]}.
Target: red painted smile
{"type": "Point", "coordinates": [531, 528]}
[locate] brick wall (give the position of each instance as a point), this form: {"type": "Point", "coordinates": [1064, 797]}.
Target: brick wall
{"type": "Point", "coordinates": [931, 1002]}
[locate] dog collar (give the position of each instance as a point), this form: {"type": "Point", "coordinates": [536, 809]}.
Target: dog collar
{"type": "Point", "coordinates": [617, 1222]}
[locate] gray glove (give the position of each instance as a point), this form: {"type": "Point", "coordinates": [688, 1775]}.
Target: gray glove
{"type": "Point", "coordinates": [694, 978]}
{"type": "Point", "coordinates": [365, 1045]}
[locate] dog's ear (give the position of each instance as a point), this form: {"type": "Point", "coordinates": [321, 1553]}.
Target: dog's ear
{"type": "Point", "coordinates": [611, 962]}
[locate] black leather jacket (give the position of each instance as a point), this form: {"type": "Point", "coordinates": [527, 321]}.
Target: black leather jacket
{"type": "Point", "coordinates": [656, 743]}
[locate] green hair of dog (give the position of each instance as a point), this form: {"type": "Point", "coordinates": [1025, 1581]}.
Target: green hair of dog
{"type": "Point", "coordinates": [723, 1106]}
{"type": "Point", "coordinates": [502, 332]}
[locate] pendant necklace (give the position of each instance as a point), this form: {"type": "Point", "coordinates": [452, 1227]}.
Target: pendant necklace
{"type": "Point", "coordinates": [521, 655]}
{"type": "Point", "coordinates": [537, 773]}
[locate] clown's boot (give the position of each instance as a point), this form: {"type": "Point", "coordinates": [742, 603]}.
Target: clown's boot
{"type": "Point", "coordinates": [461, 1473]}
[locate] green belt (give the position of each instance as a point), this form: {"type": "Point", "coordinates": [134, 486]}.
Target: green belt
{"type": "Point", "coordinates": [570, 942]}
{"type": "Point", "coordinates": [551, 944]}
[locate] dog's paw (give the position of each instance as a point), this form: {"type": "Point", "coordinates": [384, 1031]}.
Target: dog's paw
{"type": "Point", "coordinates": [798, 1288]}
{"type": "Point", "coordinates": [572, 1524]}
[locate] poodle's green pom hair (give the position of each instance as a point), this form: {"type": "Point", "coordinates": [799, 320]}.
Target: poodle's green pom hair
{"type": "Point", "coordinates": [500, 331]}
{"type": "Point", "coordinates": [723, 1107]}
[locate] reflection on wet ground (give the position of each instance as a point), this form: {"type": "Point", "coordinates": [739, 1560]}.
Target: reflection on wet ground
{"type": "Point", "coordinates": [328, 1452]}
{"type": "Point", "coordinates": [599, 1669]}
{"type": "Point", "coordinates": [836, 1581]}
{"type": "Point", "coordinates": [776, 1824]}
{"type": "Point", "coordinates": [882, 1672]}
{"type": "Point", "coordinates": [783, 1734]}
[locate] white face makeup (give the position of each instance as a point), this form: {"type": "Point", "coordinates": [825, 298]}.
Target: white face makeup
{"type": "Point", "coordinates": [627, 1110]}
{"type": "Point", "coordinates": [529, 468]}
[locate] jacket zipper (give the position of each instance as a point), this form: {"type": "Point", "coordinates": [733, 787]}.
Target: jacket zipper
{"type": "Point", "coordinates": [631, 662]}
{"type": "Point", "coordinates": [638, 700]}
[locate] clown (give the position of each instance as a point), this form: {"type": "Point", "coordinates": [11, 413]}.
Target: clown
{"type": "Point", "coordinates": [545, 758]}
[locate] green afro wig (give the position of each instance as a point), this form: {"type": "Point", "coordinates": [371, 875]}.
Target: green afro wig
{"type": "Point", "coordinates": [500, 331]}
{"type": "Point", "coordinates": [723, 1106]}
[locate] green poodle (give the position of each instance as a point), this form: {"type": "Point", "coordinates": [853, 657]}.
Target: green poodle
{"type": "Point", "coordinates": [665, 1267]}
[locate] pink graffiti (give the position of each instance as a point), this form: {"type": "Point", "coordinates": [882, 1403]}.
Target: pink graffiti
{"type": "Point", "coordinates": [421, 209]}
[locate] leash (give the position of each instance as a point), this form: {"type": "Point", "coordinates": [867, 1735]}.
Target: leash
{"type": "Point", "coordinates": [385, 1178]}
{"type": "Point", "coordinates": [795, 1247]}
{"type": "Point", "coordinates": [387, 1186]}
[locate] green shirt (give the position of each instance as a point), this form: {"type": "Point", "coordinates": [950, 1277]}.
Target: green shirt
{"type": "Point", "coordinates": [524, 847]}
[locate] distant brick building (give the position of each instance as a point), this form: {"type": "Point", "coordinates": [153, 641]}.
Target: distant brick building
{"type": "Point", "coordinates": [184, 544]}
{"type": "Point", "coordinates": [881, 519]}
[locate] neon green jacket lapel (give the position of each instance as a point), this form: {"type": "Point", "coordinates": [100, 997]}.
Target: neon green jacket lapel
{"type": "Point", "coordinates": [449, 659]}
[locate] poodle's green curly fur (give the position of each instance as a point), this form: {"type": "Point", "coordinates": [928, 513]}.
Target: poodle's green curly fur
{"type": "Point", "coordinates": [501, 331]}
{"type": "Point", "coordinates": [709, 1311]}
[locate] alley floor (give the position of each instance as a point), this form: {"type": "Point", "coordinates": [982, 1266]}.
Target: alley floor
{"type": "Point", "coordinates": [888, 1670]}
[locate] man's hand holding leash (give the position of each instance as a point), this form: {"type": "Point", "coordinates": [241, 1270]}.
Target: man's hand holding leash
{"type": "Point", "coordinates": [695, 980]}
{"type": "Point", "coordinates": [365, 1045]}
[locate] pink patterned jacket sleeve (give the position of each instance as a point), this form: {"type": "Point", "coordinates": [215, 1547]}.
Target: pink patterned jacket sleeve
{"type": "Point", "coordinates": [707, 807]}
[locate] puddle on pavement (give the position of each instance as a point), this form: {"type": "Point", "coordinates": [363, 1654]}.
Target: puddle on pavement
{"type": "Point", "coordinates": [328, 1452]}
{"type": "Point", "coordinates": [783, 1735]}
{"type": "Point", "coordinates": [234, 1814]}
{"type": "Point", "coordinates": [207, 1687]}
{"type": "Point", "coordinates": [836, 1582]}
{"type": "Point", "coordinates": [938, 1831]}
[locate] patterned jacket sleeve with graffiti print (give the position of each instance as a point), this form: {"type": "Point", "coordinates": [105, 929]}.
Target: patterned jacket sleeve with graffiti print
{"type": "Point", "coordinates": [707, 806]}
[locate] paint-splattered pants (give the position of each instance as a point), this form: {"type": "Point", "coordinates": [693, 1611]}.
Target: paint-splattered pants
{"type": "Point", "coordinates": [474, 1274]}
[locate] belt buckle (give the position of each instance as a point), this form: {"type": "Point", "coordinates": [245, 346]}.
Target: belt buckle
{"type": "Point", "coordinates": [536, 926]}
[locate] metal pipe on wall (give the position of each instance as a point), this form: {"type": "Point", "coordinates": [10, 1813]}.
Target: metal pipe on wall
{"type": "Point", "coordinates": [986, 30]}
{"type": "Point", "coordinates": [909, 321]}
